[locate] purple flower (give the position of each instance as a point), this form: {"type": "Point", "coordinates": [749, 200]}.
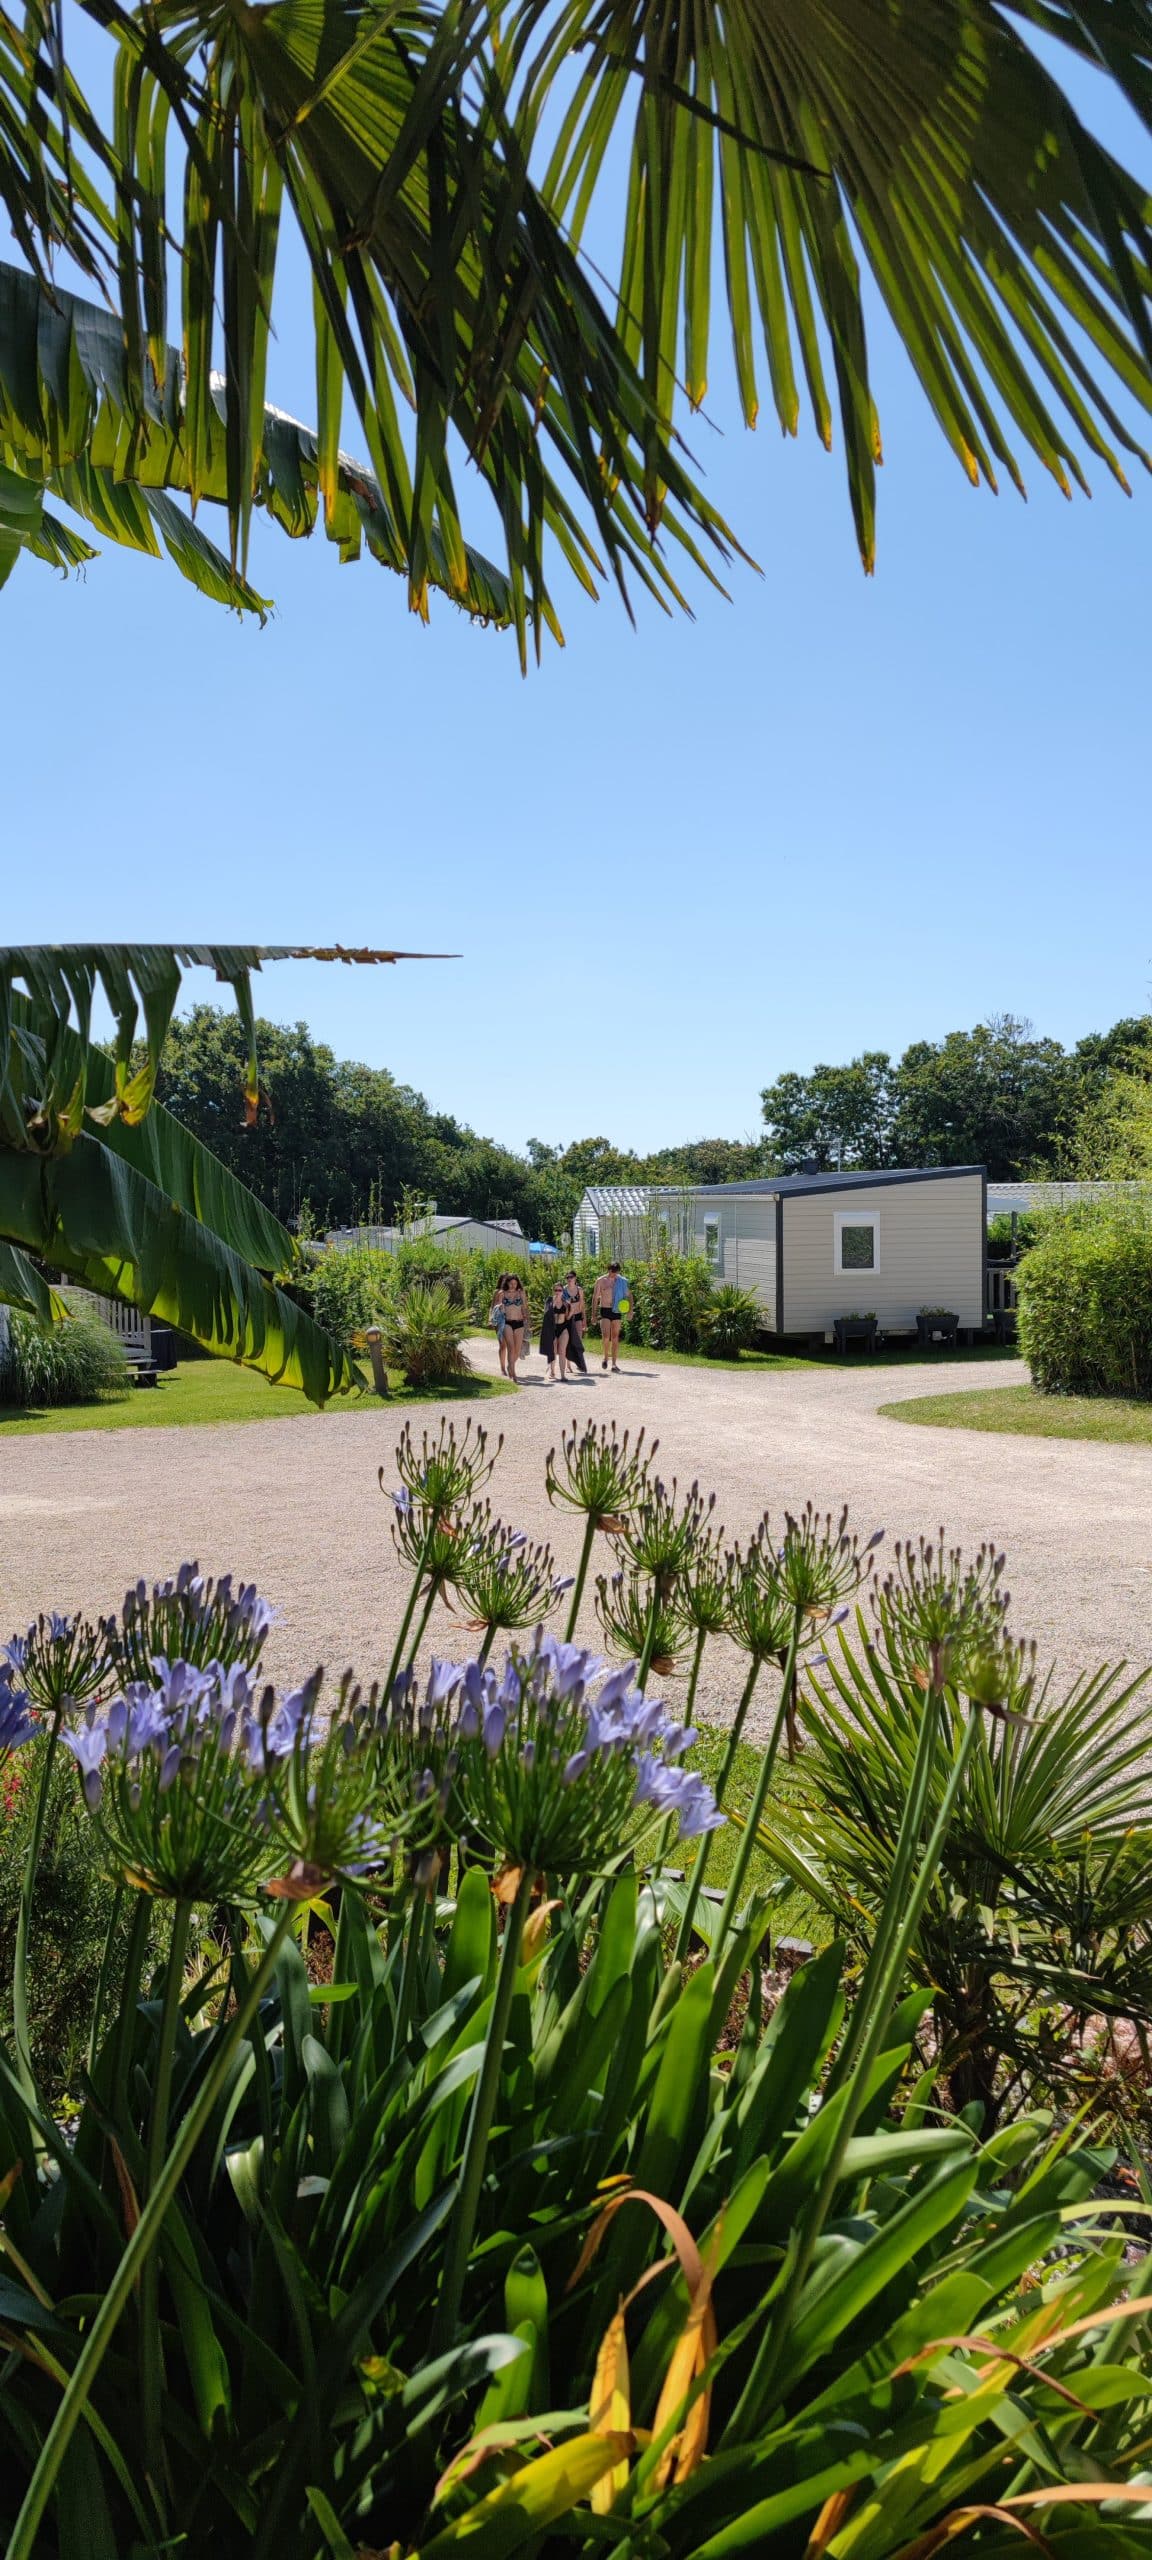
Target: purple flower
{"type": "Point", "coordinates": [402, 1501]}
{"type": "Point", "coordinates": [86, 1742]}
{"type": "Point", "coordinates": [443, 1681]}
{"type": "Point", "coordinates": [495, 1722]}
{"type": "Point", "coordinates": [60, 1627]}
{"type": "Point", "coordinates": [575, 1767]}
{"type": "Point", "coordinates": [170, 1767]}
{"type": "Point", "coordinates": [17, 1724]}
{"type": "Point", "coordinates": [15, 1654]}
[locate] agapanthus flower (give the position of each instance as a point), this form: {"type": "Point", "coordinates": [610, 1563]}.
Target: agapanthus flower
{"type": "Point", "coordinates": [624, 1606]}
{"type": "Point", "coordinates": [444, 1473]}
{"type": "Point", "coordinates": [569, 1766]}
{"type": "Point", "coordinates": [62, 1661]}
{"type": "Point", "coordinates": [18, 1724]}
{"type": "Point", "coordinates": [821, 1564]}
{"type": "Point", "coordinates": [942, 1620]}
{"type": "Point", "coordinates": [500, 1580]}
{"type": "Point", "coordinates": [664, 1532]}
{"type": "Point", "coordinates": [191, 1618]}
{"type": "Point", "coordinates": [600, 1473]}
{"type": "Point", "coordinates": [208, 1790]}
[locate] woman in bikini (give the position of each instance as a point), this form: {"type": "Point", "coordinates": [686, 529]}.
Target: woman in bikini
{"type": "Point", "coordinates": [515, 1306]}
{"type": "Point", "coordinates": [496, 1317]}
{"type": "Point", "coordinates": [561, 1313]}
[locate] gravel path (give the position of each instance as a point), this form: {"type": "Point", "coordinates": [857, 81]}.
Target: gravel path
{"type": "Point", "coordinates": [295, 1504]}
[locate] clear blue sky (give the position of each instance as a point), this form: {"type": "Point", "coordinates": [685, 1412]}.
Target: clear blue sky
{"type": "Point", "coordinates": [831, 814]}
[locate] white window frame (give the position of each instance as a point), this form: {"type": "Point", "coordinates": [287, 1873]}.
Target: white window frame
{"type": "Point", "coordinates": [842, 1218]}
{"type": "Point", "coordinates": [714, 1226]}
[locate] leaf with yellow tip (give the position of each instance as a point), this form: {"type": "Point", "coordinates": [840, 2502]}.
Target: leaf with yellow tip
{"type": "Point", "coordinates": [610, 2407]}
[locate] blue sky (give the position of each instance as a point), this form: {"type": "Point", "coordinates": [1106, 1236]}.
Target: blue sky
{"type": "Point", "coordinates": [833, 813]}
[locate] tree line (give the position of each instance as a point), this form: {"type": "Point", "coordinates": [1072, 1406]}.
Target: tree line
{"type": "Point", "coordinates": [341, 1143]}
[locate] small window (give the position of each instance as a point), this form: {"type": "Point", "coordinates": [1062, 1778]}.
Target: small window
{"type": "Point", "coordinates": [591, 1242]}
{"type": "Point", "coordinates": [712, 1243]}
{"type": "Point", "coordinates": [857, 1242]}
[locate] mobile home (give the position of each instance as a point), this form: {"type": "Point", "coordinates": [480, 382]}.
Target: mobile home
{"type": "Point", "coordinates": [814, 1246]}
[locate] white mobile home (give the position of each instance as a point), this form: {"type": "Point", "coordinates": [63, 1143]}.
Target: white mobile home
{"type": "Point", "coordinates": [815, 1246]}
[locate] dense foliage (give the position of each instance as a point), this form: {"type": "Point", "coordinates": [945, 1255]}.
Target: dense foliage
{"type": "Point", "coordinates": [1085, 1299]}
{"type": "Point", "coordinates": [999, 1095]}
{"type": "Point", "coordinates": [75, 1362]}
{"type": "Point", "coordinates": [466, 2183]}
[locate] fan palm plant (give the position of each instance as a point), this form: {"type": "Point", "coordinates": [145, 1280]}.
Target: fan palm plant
{"type": "Point", "coordinates": [98, 1181]}
{"type": "Point", "coordinates": [440, 167]}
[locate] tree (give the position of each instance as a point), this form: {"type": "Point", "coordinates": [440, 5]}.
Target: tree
{"type": "Point", "coordinates": [835, 1116]}
{"type": "Point", "coordinates": [99, 1181]}
{"type": "Point", "coordinates": [440, 174]}
{"type": "Point", "coordinates": [997, 1096]}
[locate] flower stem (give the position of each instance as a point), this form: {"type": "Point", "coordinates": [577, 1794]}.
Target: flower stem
{"type": "Point", "coordinates": [21, 2035]}
{"type": "Point", "coordinates": [747, 1840]}
{"type": "Point", "coordinates": [700, 1869]}
{"type": "Point", "coordinates": [581, 1577]}
{"type": "Point", "coordinates": [151, 2347]}
{"type": "Point", "coordinates": [406, 1620]}
{"type": "Point", "coordinates": [463, 2224]}
{"type": "Point", "coordinates": [426, 1613]}
{"type": "Point", "coordinates": [644, 1665]}
{"type": "Point", "coordinates": [26, 2541]}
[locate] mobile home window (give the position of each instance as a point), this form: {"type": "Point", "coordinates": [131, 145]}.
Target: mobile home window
{"type": "Point", "coordinates": [712, 1242]}
{"type": "Point", "coordinates": [857, 1242]}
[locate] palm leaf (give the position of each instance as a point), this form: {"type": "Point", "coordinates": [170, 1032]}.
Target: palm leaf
{"type": "Point", "coordinates": [73, 422]}
{"type": "Point", "coordinates": [90, 1213]}
{"type": "Point", "coordinates": [44, 1067]}
{"type": "Point", "coordinates": [23, 1286]}
{"type": "Point", "coordinates": [1012, 252]}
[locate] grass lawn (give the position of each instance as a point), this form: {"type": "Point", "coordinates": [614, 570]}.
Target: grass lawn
{"type": "Point", "coordinates": [217, 1391]}
{"type": "Point", "coordinates": [1038, 1417]}
{"type": "Point", "coordinates": [793, 1916]}
{"type": "Point", "coordinates": [894, 1356]}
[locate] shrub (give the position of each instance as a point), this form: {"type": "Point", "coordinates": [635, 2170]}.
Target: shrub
{"type": "Point", "coordinates": [670, 1293]}
{"type": "Point", "coordinates": [729, 1323]}
{"type": "Point", "coordinates": [320, 2275]}
{"type": "Point", "coordinates": [77, 1362]}
{"type": "Point", "coordinates": [1085, 1300]}
{"type": "Point", "coordinates": [422, 1336]}
{"type": "Point", "coordinates": [348, 1290]}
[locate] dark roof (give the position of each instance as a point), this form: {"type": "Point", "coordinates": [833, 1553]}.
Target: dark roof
{"type": "Point", "coordinates": [792, 1183]}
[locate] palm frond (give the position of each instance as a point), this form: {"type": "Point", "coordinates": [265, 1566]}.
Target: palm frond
{"type": "Point", "coordinates": [74, 423]}
{"type": "Point", "coordinates": [92, 1214]}
{"type": "Point", "coordinates": [45, 1037]}
{"type": "Point", "coordinates": [1013, 253]}
{"type": "Point", "coordinates": [24, 1287]}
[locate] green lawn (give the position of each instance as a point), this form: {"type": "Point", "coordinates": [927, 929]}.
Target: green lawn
{"type": "Point", "coordinates": [1038, 1417]}
{"type": "Point", "coordinates": [217, 1391]}
{"type": "Point", "coordinates": [793, 1916]}
{"type": "Point", "coordinates": [893, 1357]}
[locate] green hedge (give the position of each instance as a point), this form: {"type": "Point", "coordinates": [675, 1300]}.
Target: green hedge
{"type": "Point", "coordinates": [1085, 1300]}
{"type": "Point", "coordinates": [671, 1292]}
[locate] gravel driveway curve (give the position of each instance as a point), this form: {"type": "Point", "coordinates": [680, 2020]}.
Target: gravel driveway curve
{"type": "Point", "coordinates": [295, 1505]}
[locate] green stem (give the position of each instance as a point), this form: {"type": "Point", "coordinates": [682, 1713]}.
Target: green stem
{"type": "Point", "coordinates": [106, 1962]}
{"type": "Point", "coordinates": [413, 1945]}
{"type": "Point", "coordinates": [151, 2347]}
{"type": "Point", "coordinates": [463, 2224]}
{"type": "Point", "coordinates": [406, 1620]}
{"type": "Point", "coordinates": [581, 1577]}
{"type": "Point", "coordinates": [21, 2035]}
{"type": "Point", "coordinates": [418, 1638]}
{"type": "Point", "coordinates": [747, 1841]}
{"type": "Point", "coordinates": [754, 2406]}
{"type": "Point", "coordinates": [644, 1665]}
{"type": "Point", "coordinates": [700, 1869]}
{"type": "Point", "coordinates": [26, 2542]}
{"type": "Point", "coordinates": [129, 2002]}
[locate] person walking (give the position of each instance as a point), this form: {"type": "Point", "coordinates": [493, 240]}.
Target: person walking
{"type": "Point", "coordinates": [515, 1307]}
{"type": "Point", "coordinates": [577, 1319]}
{"type": "Point", "coordinates": [610, 1302]}
{"type": "Point", "coordinates": [496, 1317]}
{"type": "Point", "coordinates": [559, 1308]}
